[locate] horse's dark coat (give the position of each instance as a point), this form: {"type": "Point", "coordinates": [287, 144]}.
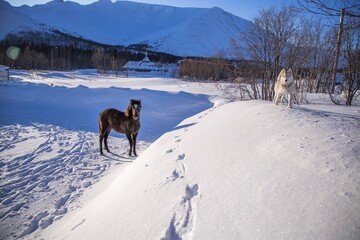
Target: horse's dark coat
{"type": "Point", "coordinates": [127, 122]}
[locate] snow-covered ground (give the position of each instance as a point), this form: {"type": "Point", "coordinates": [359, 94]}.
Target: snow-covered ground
{"type": "Point", "coordinates": [207, 169]}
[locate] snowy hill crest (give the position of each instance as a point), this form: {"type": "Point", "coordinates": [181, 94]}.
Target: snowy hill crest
{"type": "Point", "coordinates": [179, 31]}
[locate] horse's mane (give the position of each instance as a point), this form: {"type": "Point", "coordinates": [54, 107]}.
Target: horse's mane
{"type": "Point", "coordinates": [128, 112]}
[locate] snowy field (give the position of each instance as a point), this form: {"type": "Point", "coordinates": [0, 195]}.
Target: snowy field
{"type": "Point", "coordinates": [208, 168]}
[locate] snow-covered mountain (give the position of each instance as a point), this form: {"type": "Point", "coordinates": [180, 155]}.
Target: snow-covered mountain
{"type": "Point", "coordinates": [179, 31]}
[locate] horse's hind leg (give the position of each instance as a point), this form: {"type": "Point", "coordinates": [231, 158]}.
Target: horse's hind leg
{"type": "Point", "coordinates": [129, 137]}
{"type": "Point", "coordinates": [101, 133]}
{"type": "Point", "coordinates": [106, 135]}
{"type": "Point", "coordinates": [100, 143]}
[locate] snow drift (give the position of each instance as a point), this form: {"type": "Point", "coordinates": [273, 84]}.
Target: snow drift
{"type": "Point", "coordinates": [245, 170]}
{"type": "Point", "coordinates": [231, 170]}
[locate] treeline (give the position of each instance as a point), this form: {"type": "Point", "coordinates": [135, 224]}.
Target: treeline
{"type": "Point", "coordinates": [217, 68]}
{"type": "Point", "coordinates": [59, 51]}
{"type": "Point", "coordinates": [283, 38]}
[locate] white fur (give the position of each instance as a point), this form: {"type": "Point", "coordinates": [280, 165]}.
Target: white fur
{"type": "Point", "coordinates": [284, 85]}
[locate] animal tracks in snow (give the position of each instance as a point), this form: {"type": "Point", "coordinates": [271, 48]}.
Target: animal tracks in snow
{"type": "Point", "coordinates": [176, 174]}
{"type": "Point", "coordinates": [44, 170]}
{"type": "Point", "coordinates": [182, 223]}
{"type": "Point", "coordinates": [170, 150]}
{"type": "Point", "coordinates": [191, 191]}
{"type": "Point", "coordinates": [181, 157]}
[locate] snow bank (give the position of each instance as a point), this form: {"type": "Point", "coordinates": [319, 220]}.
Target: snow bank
{"type": "Point", "coordinates": [247, 170]}
{"type": "Point", "coordinates": [49, 157]}
{"type": "Point", "coordinates": [240, 170]}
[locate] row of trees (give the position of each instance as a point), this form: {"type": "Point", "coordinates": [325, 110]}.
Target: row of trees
{"type": "Point", "coordinates": [216, 68]}
{"type": "Point", "coordinates": [59, 51]}
{"type": "Point", "coordinates": [282, 38]}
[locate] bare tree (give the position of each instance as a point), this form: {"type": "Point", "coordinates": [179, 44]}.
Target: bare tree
{"type": "Point", "coordinates": [215, 68]}
{"type": "Point", "coordinates": [342, 8]}
{"type": "Point", "coordinates": [98, 57]}
{"type": "Point", "coordinates": [331, 8]}
{"type": "Point", "coordinates": [351, 55]}
{"type": "Point", "coordinates": [267, 41]}
{"type": "Point", "coordinates": [311, 57]}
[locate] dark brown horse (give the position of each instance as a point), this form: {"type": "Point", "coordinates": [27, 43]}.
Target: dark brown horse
{"type": "Point", "coordinates": [127, 122]}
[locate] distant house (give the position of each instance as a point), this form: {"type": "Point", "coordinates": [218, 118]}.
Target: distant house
{"type": "Point", "coordinates": [146, 65]}
{"type": "Point", "coordinates": [4, 72]}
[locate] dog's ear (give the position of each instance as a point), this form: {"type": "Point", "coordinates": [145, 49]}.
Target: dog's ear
{"type": "Point", "coordinates": [283, 72]}
{"type": "Point", "coordinates": [290, 71]}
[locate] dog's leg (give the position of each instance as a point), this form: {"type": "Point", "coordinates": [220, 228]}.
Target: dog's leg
{"type": "Point", "coordinates": [276, 99]}
{"type": "Point", "coordinates": [289, 100]}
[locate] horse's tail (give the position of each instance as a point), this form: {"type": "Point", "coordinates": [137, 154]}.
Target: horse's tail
{"type": "Point", "coordinates": [100, 123]}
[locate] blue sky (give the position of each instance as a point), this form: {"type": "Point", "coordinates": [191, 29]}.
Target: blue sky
{"type": "Point", "coordinates": [243, 8]}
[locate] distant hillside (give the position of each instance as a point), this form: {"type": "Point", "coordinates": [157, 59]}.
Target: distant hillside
{"type": "Point", "coordinates": [178, 31]}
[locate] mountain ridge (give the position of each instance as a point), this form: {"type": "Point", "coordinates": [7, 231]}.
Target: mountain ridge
{"type": "Point", "coordinates": [179, 31]}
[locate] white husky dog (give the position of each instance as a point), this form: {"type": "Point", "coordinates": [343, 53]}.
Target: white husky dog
{"type": "Point", "coordinates": [284, 85]}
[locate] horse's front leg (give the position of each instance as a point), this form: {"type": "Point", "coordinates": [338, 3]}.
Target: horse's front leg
{"type": "Point", "coordinates": [134, 136]}
{"type": "Point", "coordinates": [129, 137]}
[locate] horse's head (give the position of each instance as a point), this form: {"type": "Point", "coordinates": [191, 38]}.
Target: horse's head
{"type": "Point", "coordinates": [135, 106]}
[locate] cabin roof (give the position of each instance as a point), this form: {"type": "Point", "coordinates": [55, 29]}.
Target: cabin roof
{"type": "Point", "coordinates": [4, 68]}
{"type": "Point", "coordinates": [148, 65]}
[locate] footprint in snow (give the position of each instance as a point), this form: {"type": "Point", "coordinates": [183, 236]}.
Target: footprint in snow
{"type": "Point", "coordinates": [182, 223]}
{"type": "Point", "coordinates": [191, 191]}
{"type": "Point", "coordinates": [181, 157]}
{"type": "Point", "coordinates": [174, 175]}
{"type": "Point", "coordinates": [170, 150]}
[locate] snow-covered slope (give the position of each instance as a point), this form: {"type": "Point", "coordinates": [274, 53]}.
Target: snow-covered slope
{"type": "Point", "coordinates": [230, 170]}
{"type": "Point", "coordinates": [245, 170]}
{"type": "Point", "coordinates": [12, 20]}
{"type": "Point", "coordinates": [180, 31]}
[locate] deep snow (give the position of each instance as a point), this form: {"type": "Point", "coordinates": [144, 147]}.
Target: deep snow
{"type": "Point", "coordinates": [229, 170]}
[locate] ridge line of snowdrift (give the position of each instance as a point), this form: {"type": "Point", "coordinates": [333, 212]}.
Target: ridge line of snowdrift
{"type": "Point", "coordinates": [246, 170]}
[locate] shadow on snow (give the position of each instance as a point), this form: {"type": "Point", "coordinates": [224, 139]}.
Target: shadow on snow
{"type": "Point", "coordinates": [78, 108]}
